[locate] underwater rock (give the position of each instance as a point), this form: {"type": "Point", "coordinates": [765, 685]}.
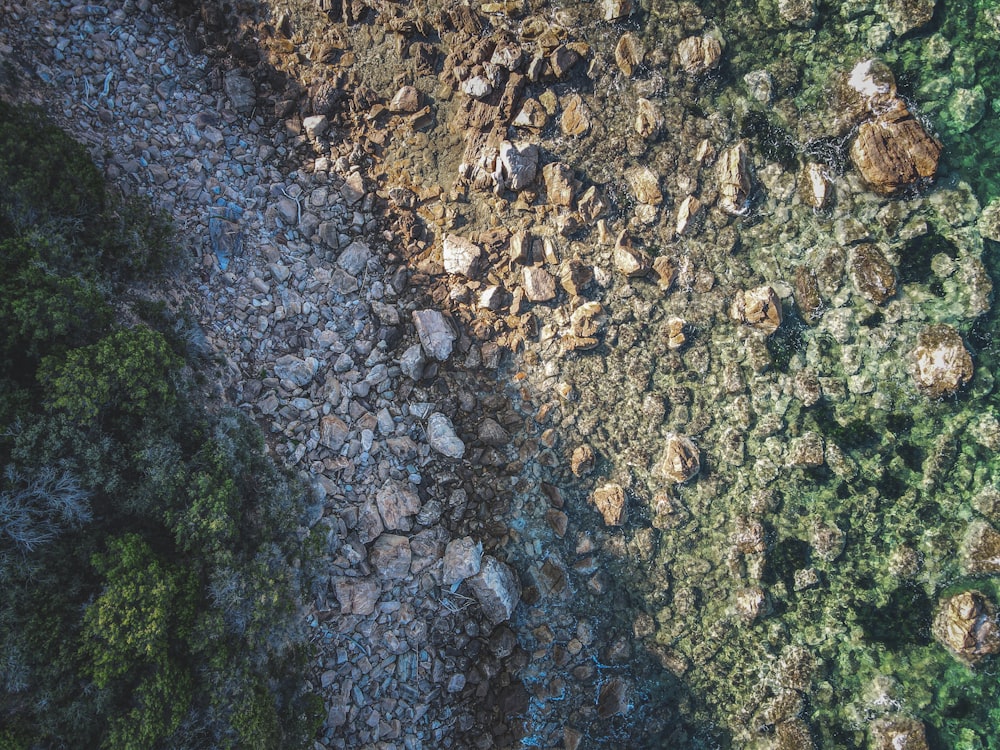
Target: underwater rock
{"type": "Point", "coordinates": [681, 459]}
{"type": "Point", "coordinates": [560, 184]}
{"type": "Point", "coordinates": [807, 297]}
{"type": "Point", "coordinates": [575, 118]}
{"type": "Point", "coordinates": [587, 320]}
{"type": "Point", "coordinates": [898, 733]}
{"type": "Point", "coordinates": [760, 85]}
{"type": "Point", "coordinates": [583, 460]}
{"type": "Point", "coordinates": [733, 171]}
{"type": "Point", "coordinates": [461, 256]}
{"type": "Point", "coordinates": [792, 734]}
{"type": "Point", "coordinates": [758, 308]}
{"type": "Point", "coordinates": [980, 551]}
{"type": "Point", "coordinates": [441, 436]}
{"type": "Point", "coordinates": [687, 212]}
{"type": "Point", "coordinates": [610, 501]}
{"type": "Point", "coordinates": [699, 54]}
{"type": "Point", "coordinates": [649, 122]}
{"type": "Point", "coordinates": [575, 276]}
{"type": "Point", "coordinates": [629, 53]}
{"type": "Point", "coordinates": [800, 13]}
{"type": "Point", "coordinates": [673, 332]}
{"type": "Point", "coordinates": [906, 15]}
{"type": "Point", "coordinates": [435, 333]}
{"type": "Point", "coordinates": [942, 363]}
{"type": "Point", "coordinates": [806, 450]}
{"type": "Point", "coordinates": [665, 271]}
{"type": "Point", "coordinates": [872, 274]}
{"type": "Point", "coordinates": [629, 260]}
{"type": "Point", "coordinates": [615, 10]}
{"type": "Point", "coordinates": [497, 589]}
{"type": "Point", "coordinates": [827, 540]}
{"type": "Point", "coordinates": [645, 185]}
{"type": "Point", "coordinates": [539, 285]}
{"type": "Point", "coordinates": [815, 185]}
{"type": "Point", "coordinates": [893, 151]}
{"type": "Point", "coordinates": [519, 164]}
{"type": "Point", "coordinates": [750, 603]}
{"type": "Point", "coordinates": [407, 99]}
{"type": "Point", "coordinates": [966, 625]}
{"type": "Point", "coordinates": [989, 221]}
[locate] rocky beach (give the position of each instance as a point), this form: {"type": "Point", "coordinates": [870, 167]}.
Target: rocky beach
{"type": "Point", "coordinates": [641, 377]}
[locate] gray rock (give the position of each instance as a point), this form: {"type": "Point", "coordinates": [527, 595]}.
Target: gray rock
{"type": "Point", "coordinates": [397, 502]}
{"type": "Point", "coordinates": [435, 332]}
{"type": "Point", "coordinates": [412, 362]}
{"type": "Point", "coordinates": [240, 91]}
{"type": "Point", "coordinates": [357, 596]}
{"type": "Point", "coordinates": [299, 371]}
{"type": "Point", "coordinates": [462, 559]}
{"type": "Point", "coordinates": [333, 432]}
{"type": "Point", "coordinates": [390, 555]}
{"type": "Point", "coordinates": [354, 257]}
{"type": "Point", "coordinates": [315, 126]}
{"type": "Point", "coordinates": [497, 589]}
{"type": "Point", "coordinates": [461, 256]}
{"type": "Point", "coordinates": [519, 164]}
{"type": "Point", "coordinates": [442, 438]}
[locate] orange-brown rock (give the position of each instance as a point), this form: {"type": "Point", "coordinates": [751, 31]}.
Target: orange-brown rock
{"type": "Point", "coordinates": [610, 500]}
{"type": "Point", "coordinates": [758, 308]}
{"type": "Point", "coordinates": [893, 150]}
{"type": "Point", "coordinates": [681, 459]}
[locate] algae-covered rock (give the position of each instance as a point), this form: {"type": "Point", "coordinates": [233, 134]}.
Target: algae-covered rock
{"type": "Point", "coordinates": [872, 274]}
{"type": "Point", "coordinates": [758, 308]}
{"type": "Point", "coordinates": [681, 459]}
{"type": "Point", "coordinates": [966, 625]}
{"type": "Point", "coordinates": [893, 151]}
{"type": "Point", "coordinates": [898, 733]}
{"type": "Point", "coordinates": [980, 552]}
{"type": "Point", "coordinates": [942, 364]}
{"type": "Point", "coordinates": [808, 301]}
{"type": "Point", "coordinates": [906, 15]}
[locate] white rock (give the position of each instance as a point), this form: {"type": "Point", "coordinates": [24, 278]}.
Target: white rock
{"type": "Point", "coordinates": [441, 436]}
{"type": "Point", "coordinates": [315, 126]}
{"type": "Point", "coordinates": [299, 371]}
{"type": "Point", "coordinates": [519, 164]}
{"type": "Point", "coordinates": [461, 256]}
{"type": "Point", "coordinates": [435, 332]}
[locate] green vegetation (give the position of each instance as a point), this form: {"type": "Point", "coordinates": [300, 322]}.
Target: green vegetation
{"type": "Point", "coordinates": [149, 551]}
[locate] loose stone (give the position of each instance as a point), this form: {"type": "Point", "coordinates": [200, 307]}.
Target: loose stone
{"type": "Point", "coordinates": [441, 436]}
{"type": "Point", "coordinates": [436, 334]}
{"type": "Point", "coordinates": [680, 460]}
{"type": "Point", "coordinates": [942, 363]}
{"type": "Point", "coordinates": [610, 501]}
{"type": "Point", "coordinates": [497, 589]}
{"type": "Point", "coordinates": [966, 625]}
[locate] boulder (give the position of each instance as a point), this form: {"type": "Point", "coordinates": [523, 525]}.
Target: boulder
{"type": "Point", "coordinates": [980, 550]}
{"type": "Point", "coordinates": [539, 285]}
{"type": "Point", "coordinates": [435, 332]}
{"type": "Point", "coordinates": [800, 13]}
{"type": "Point", "coordinates": [357, 596]}
{"type": "Point", "coordinates": [871, 273]}
{"type": "Point", "coordinates": [612, 700]}
{"type": "Point", "coordinates": [441, 436]}
{"type": "Point", "coordinates": [354, 258]}
{"type": "Point", "coordinates": [406, 100]}
{"type": "Point", "coordinates": [898, 733]}
{"type": "Point", "coordinates": [680, 460]}
{"type": "Point", "coordinates": [673, 331]}
{"type": "Point", "coordinates": [496, 588]}
{"type": "Point", "coordinates": [733, 171]}
{"type": "Point", "coordinates": [966, 625]}
{"type": "Point", "coordinates": [587, 320]}
{"type": "Point", "coordinates": [461, 256]}
{"type": "Point", "coordinates": [758, 308]}
{"type": "Point", "coordinates": [519, 164]}
{"type": "Point", "coordinates": [687, 212]}
{"type": "Point", "coordinates": [610, 501]}
{"type": "Point", "coordinates": [412, 362]}
{"type": "Point", "coordinates": [240, 90]}
{"type": "Point", "coordinates": [699, 54]}
{"type": "Point", "coordinates": [807, 297]}
{"type": "Point", "coordinates": [893, 151]}
{"type": "Point", "coordinates": [298, 371]}
{"type": "Point", "coordinates": [462, 559]}
{"type": "Point", "coordinates": [396, 503]}
{"type": "Point", "coordinates": [942, 364]}
{"type": "Point", "coordinates": [390, 556]}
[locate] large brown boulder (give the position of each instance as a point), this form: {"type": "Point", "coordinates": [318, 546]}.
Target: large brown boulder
{"type": "Point", "coordinates": [892, 150]}
{"type": "Point", "coordinates": [966, 625]}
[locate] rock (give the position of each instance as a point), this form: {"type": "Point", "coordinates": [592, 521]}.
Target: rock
{"type": "Point", "coordinates": [649, 122]}
{"type": "Point", "coordinates": [942, 363]}
{"type": "Point", "coordinates": [441, 436]}
{"type": "Point", "coordinates": [478, 87]}
{"type": "Point", "coordinates": [462, 559]}
{"type": "Point", "coordinates": [733, 171]}
{"type": "Point", "coordinates": [357, 596]}
{"type": "Point", "coordinates": [406, 100]}
{"type": "Point", "coordinates": [583, 460]}
{"type": "Point", "coordinates": [396, 503]}
{"type": "Point", "coordinates": [750, 603]}
{"type": "Point", "coordinates": [980, 550]}
{"type": "Point", "coordinates": [241, 91]}
{"type": "Point", "coordinates": [760, 86]}
{"type": "Point", "coordinates": [575, 276]}
{"type": "Point", "coordinates": [758, 308]}
{"type": "Point", "coordinates": [539, 285]}
{"type": "Point", "coordinates": [354, 258]}
{"type": "Point", "coordinates": [893, 151]}
{"type": "Point", "coordinates": [315, 126]}
{"type": "Point", "coordinates": [629, 260]}
{"type": "Point", "coordinates": [492, 433]}
{"type": "Point", "coordinates": [806, 450]}
{"type": "Point", "coordinates": [560, 184]}
{"type": "Point", "coordinates": [645, 185]}
{"type": "Point", "coordinates": [492, 298]}
{"type": "Point", "coordinates": [799, 13]}
{"type": "Point", "coordinates": [965, 109]}
{"type": "Point", "coordinates": [687, 212]}
{"type": "Point", "coordinates": [461, 256]}
{"type": "Point", "coordinates": [562, 60]}
{"type": "Point", "coordinates": [435, 332]}
{"type": "Point", "coordinates": [519, 164]}
{"type": "Point", "coordinates": [665, 271]}
{"type": "Point", "coordinates": [497, 589]}
{"type": "Point", "coordinates": [575, 118]}
{"type": "Point", "coordinates": [807, 297]}
{"type": "Point", "coordinates": [827, 540]}
{"type": "Point", "coordinates": [298, 371]}
{"type": "Point", "coordinates": [610, 501]}
{"type": "Point", "coordinates": [966, 625]}
{"type": "Point", "coordinates": [898, 733]}
{"type": "Point", "coordinates": [591, 205]}
{"type": "Point", "coordinates": [412, 362]}
{"type": "Point", "coordinates": [905, 15]}
{"type": "Point", "coordinates": [989, 221]}
{"type": "Point", "coordinates": [333, 432]}
{"type": "Point", "coordinates": [531, 115]}
{"type": "Point", "coordinates": [815, 185]}
{"type": "Point", "coordinates": [587, 320]}
{"type": "Point", "coordinates": [872, 274]}
{"type": "Point", "coordinates": [699, 54]}
{"type": "Point", "coordinates": [370, 526]}
{"type": "Point", "coordinates": [680, 460]}
{"type": "Point", "coordinates": [612, 699]}
{"type": "Point", "coordinates": [615, 10]}
{"type": "Point", "coordinates": [674, 332]}
{"type": "Point", "coordinates": [629, 53]}
{"type": "Point", "coordinates": [390, 556]}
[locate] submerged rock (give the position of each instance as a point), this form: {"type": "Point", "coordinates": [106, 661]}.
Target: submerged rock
{"type": "Point", "coordinates": [649, 122]}
{"type": "Point", "coordinates": [872, 274]}
{"type": "Point", "coordinates": [496, 588]}
{"type": "Point", "coordinates": [615, 10]}
{"type": "Point", "coordinates": [815, 184]}
{"type": "Point", "coordinates": [807, 297]}
{"type": "Point", "coordinates": [942, 364]}
{"type": "Point", "coordinates": [980, 550]}
{"type": "Point", "coordinates": [629, 53]}
{"type": "Point", "coordinates": [681, 459]}
{"type": "Point", "coordinates": [699, 54]}
{"type": "Point", "coordinates": [630, 261]}
{"type": "Point", "coordinates": [898, 733]}
{"type": "Point", "coordinates": [733, 171]}
{"type": "Point", "coordinates": [966, 625]}
{"type": "Point", "coordinates": [645, 185]}
{"type": "Point", "coordinates": [610, 501]}
{"type": "Point", "coordinates": [905, 15]}
{"type": "Point", "coordinates": [893, 151]}
{"type": "Point", "coordinates": [758, 308]}
{"type": "Point", "coordinates": [583, 460]}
